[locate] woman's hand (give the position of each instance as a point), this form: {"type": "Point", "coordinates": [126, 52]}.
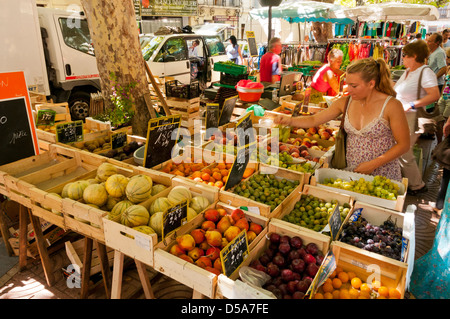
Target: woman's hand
{"type": "Point", "coordinates": [366, 167]}
{"type": "Point", "coordinates": [446, 128]}
{"type": "Point", "coordinates": [283, 119]}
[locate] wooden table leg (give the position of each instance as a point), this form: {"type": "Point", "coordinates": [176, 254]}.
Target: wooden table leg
{"type": "Point", "coordinates": [86, 271]}
{"type": "Point", "coordinates": [116, 289]}
{"type": "Point", "coordinates": [42, 248]}
{"type": "Point", "coordinates": [106, 273]}
{"type": "Point", "coordinates": [197, 295]}
{"type": "Point", "coordinates": [5, 233]}
{"type": "Point", "coordinates": [145, 281]}
{"type": "Point", "coordinates": [23, 232]}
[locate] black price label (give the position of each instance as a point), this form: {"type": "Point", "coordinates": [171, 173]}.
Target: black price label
{"type": "Point", "coordinates": [45, 117]}
{"type": "Point", "coordinates": [239, 165]}
{"type": "Point", "coordinates": [335, 222]}
{"type": "Point", "coordinates": [174, 217]}
{"type": "Point", "coordinates": [325, 270]}
{"type": "Point", "coordinates": [162, 136]}
{"type": "Point", "coordinates": [212, 115]}
{"type": "Point", "coordinates": [244, 130]}
{"type": "Point", "coordinates": [118, 139]}
{"type": "Point", "coordinates": [69, 132]}
{"type": "Point", "coordinates": [227, 110]}
{"type": "Point", "coordinates": [252, 43]}
{"type": "Point", "coordinates": [302, 106]}
{"type": "Point", "coordinates": [233, 254]}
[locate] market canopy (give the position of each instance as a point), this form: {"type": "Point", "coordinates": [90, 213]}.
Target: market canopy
{"type": "Point", "coordinates": [393, 12]}
{"type": "Point", "coordinates": [305, 11]}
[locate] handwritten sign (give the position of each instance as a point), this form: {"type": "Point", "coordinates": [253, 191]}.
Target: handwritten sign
{"type": "Point", "coordinates": [335, 223]}
{"type": "Point", "coordinates": [252, 43]}
{"type": "Point", "coordinates": [233, 254]}
{"type": "Point", "coordinates": [212, 115]}
{"type": "Point", "coordinates": [18, 137]}
{"type": "Point", "coordinates": [173, 217]}
{"type": "Point", "coordinates": [302, 106]}
{"type": "Point", "coordinates": [227, 110]}
{"type": "Point", "coordinates": [325, 270]}
{"type": "Point", "coordinates": [118, 139]}
{"type": "Point", "coordinates": [239, 165]}
{"type": "Point", "coordinates": [244, 130]}
{"type": "Point", "coordinates": [45, 117]}
{"type": "Point", "coordinates": [69, 132]}
{"type": "Point", "coordinates": [162, 136]}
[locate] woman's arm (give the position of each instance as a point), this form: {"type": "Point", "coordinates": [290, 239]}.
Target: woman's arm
{"type": "Point", "coordinates": [447, 128]}
{"type": "Point", "coordinates": [331, 113]}
{"type": "Point", "coordinates": [240, 54]}
{"type": "Point", "coordinates": [330, 77]}
{"type": "Point", "coordinates": [433, 95]}
{"type": "Point", "coordinates": [400, 131]}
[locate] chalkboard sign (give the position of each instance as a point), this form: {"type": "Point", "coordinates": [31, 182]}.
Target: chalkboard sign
{"type": "Point", "coordinates": [239, 165]}
{"type": "Point", "coordinates": [212, 115]}
{"type": "Point", "coordinates": [302, 106]}
{"type": "Point", "coordinates": [16, 138]}
{"type": "Point", "coordinates": [244, 130]}
{"type": "Point", "coordinates": [69, 132]}
{"type": "Point", "coordinates": [233, 254]}
{"type": "Point", "coordinates": [162, 136]}
{"type": "Point", "coordinates": [227, 110]}
{"type": "Point", "coordinates": [45, 117]}
{"type": "Point", "coordinates": [335, 222]}
{"type": "Point", "coordinates": [252, 43]}
{"type": "Point", "coordinates": [118, 139]}
{"type": "Point", "coordinates": [173, 217]}
{"type": "Point", "coordinates": [325, 270]}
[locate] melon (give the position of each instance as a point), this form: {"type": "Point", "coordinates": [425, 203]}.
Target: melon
{"type": "Point", "coordinates": [76, 189]}
{"type": "Point", "coordinates": [158, 188]}
{"type": "Point", "coordinates": [179, 194]}
{"type": "Point", "coordinates": [138, 189]}
{"type": "Point", "coordinates": [145, 229]}
{"type": "Point", "coordinates": [199, 203]}
{"type": "Point", "coordinates": [93, 181]}
{"type": "Point", "coordinates": [105, 170]}
{"type": "Point", "coordinates": [116, 184]}
{"type": "Point", "coordinates": [135, 215]}
{"type": "Point", "coordinates": [145, 176]}
{"type": "Point", "coordinates": [95, 194]}
{"type": "Point", "coordinates": [64, 190]}
{"type": "Point", "coordinates": [111, 202]}
{"type": "Point", "coordinates": [160, 204]}
{"type": "Point", "coordinates": [191, 213]}
{"type": "Point", "coordinates": [156, 222]}
{"type": "Point", "coordinates": [116, 213]}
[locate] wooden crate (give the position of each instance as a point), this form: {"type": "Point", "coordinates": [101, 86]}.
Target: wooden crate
{"type": "Point", "coordinates": [191, 275]}
{"type": "Point", "coordinates": [391, 274]}
{"type": "Point", "coordinates": [321, 194]}
{"type": "Point", "coordinates": [75, 253]}
{"type": "Point", "coordinates": [233, 199]}
{"type": "Point", "coordinates": [96, 125]}
{"type": "Point", "coordinates": [232, 290]}
{"type": "Point", "coordinates": [323, 173]}
{"type": "Point", "coordinates": [141, 246]}
{"type": "Point", "coordinates": [376, 216]}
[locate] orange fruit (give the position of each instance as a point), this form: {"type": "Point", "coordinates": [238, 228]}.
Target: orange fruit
{"type": "Point", "coordinates": [339, 269]}
{"type": "Point", "coordinates": [354, 293]}
{"type": "Point", "coordinates": [394, 294]}
{"type": "Point", "coordinates": [196, 174]}
{"type": "Point", "coordinates": [224, 172]}
{"type": "Point", "coordinates": [376, 285]}
{"type": "Point", "coordinates": [356, 282]}
{"type": "Point", "coordinates": [218, 184]}
{"type": "Point", "coordinates": [205, 176]}
{"type": "Point", "coordinates": [336, 294]}
{"type": "Point", "coordinates": [327, 287]}
{"type": "Point", "coordinates": [344, 294]}
{"type": "Point", "coordinates": [337, 283]}
{"type": "Point", "coordinates": [364, 294]}
{"type": "Point", "coordinates": [221, 165]}
{"type": "Point", "coordinates": [318, 296]}
{"type": "Point", "coordinates": [328, 280]}
{"type": "Point", "coordinates": [217, 176]}
{"type": "Point", "coordinates": [328, 295]}
{"type": "Point", "coordinates": [383, 291]}
{"type": "Point", "coordinates": [212, 180]}
{"type": "Point", "coordinates": [333, 274]}
{"type": "Point", "coordinates": [207, 171]}
{"type": "Point", "coordinates": [210, 183]}
{"type": "Point", "coordinates": [351, 275]}
{"type": "Point", "coordinates": [343, 276]}
{"type": "Point", "coordinates": [365, 288]}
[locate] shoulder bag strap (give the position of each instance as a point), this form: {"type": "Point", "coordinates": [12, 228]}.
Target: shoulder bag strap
{"type": "Point", "coordinates": [345, 111]}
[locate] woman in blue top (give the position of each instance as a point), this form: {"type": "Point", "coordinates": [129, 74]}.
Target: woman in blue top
{"type": "Point", "coordinates": [234, 50]}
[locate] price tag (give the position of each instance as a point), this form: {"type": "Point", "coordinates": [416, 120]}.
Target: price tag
{"type": "Point", "coordinates": [302, 106]}
{"type": "Point", "coordinates": [244, 130]}
{"type": "Point", "coordinates": [252, 43]}
{"type": "Point", "coordinates": [69, 132]}
{"type": "Point", "coordinates": [335, 222]}
{"type": "Point", "coordinates": [325, 270]}
{"type": "Point", "coordinates": [45, 117]}
{"type": "Point", "coordinates": [118, 139]}
{"type": "Point", "coordinates": [174, 217]}
{"type": "Point", "coordinates": [233, 254]}
{"type": "Point", "coordinates": [212, 115]}
{"type": "Point", "coordinates": [227, 110]}
{"type": "Point", "coordinates": [239, 165]}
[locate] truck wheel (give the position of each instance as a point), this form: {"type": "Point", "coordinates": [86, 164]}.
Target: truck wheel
{"type": "Point", "coordinates": [79, 104]}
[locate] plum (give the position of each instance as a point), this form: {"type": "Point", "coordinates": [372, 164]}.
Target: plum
{"type": "Point", "coordinates": [312, 269]}
{"type": "Point", "coordinates": [284, 248]}
{"type": "Point", "coordinates": [292, 286]}
{"type": "Point", "coordinates": [298, 265]}
{"type": "Point", "coordinates": [264, 259]}
{"type": "Point", "coordinates": [277, 293]}
{"type": "Point", "coordinates": [298, 295]}
{"type": "Point", "coordinates": [279, 261]}
{"type": "Point", "coordinates": [302, 286]}
{"type": "Point", "coordinates": [287, 275]}
{"type": "Point", "coordinates": [309, 259]}
{"type": "Point", "coordinates": [312, 248]}
{"type": "Point", "coordinates": [285, 239]}
{"type": "Point", "coordinates": [284, 288]}
{"type": "Point", "coordinates": [293, 254]}
{"type": "Point", "coordinates": [302, 251]}
{"type": "Point", "coordinates": [319, 259]}
{"type": "Point", "coordinates": [274, 238]}
{"type": "Point", "coordinates": [296, 242]}
{"type": "Point", "coordinates": [273, 270]}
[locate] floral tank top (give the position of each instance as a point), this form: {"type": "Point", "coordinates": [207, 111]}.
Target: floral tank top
{"type": "Point", "coordinates": [369, 142]}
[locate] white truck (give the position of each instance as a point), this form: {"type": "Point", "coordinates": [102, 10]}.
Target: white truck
{"type": "Point", "coordinates": [54, 50]}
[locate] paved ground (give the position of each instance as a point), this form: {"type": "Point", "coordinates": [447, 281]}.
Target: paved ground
{"type": "Point", "coordinates": [30, 283]}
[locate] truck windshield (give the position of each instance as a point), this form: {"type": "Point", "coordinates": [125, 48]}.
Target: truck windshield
{"type": "Point", "coordinates": [215, 45]}
{"type": "Point", "coordinates": [76, 35]}
{"type": "Point", "coordinates": [149, 45]}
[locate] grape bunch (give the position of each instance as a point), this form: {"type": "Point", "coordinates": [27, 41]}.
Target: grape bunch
{"type": "Point", "coordinates": [385, 239]}
{"type": "Point", "coordinates": [285, 160]}
{"type": "Point", "coordinates": [380, 186]}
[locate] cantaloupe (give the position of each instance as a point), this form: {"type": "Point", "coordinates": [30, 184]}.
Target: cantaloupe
{"type": "Point", "coordinates": [158, 188]}
{"type": "Point", "coordinates": [160, 204]}
{"type": "Point", "coordinates": [199, 203]}
{"type": "Point", "coordinates": [156, 222]}
{"type": "Point", "coordinates": [76, 189]}
{"type": "Point", "coordinates": [116, 213]}
{"type": "Point", "coordinates": [111, 202]}
{"type": "Point", "coordinates": [105, 170]}
{"type": "Point", "coordinates": [64, 190]}
{"type": "Point", "coordinates": [191, 213]}
{"type": "Point", "coordinates": [178, 194]}
{"type": "Point", "coordinates": [95, 194]}
{"type": "Point", "coordinates": [138, 189]}
{"type": "Point", "coordinates": [135, 215]}
{"type": "Point", "coordinates": [116, 184]}
{"type": "Point", "coordinates": [145, 229]}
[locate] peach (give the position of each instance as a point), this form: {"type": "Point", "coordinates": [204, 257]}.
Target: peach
{"type": "Point", "coordinates": [212, 215]}
{"type": "Point", "coordinates": [232, 232]}
{"type": "Point", "coordinates": [186, 258]}
{"type": "Point", "coordinates": [242, 224]}
{"type": "Point", "coordinates": [251, 236]}
{"type": "Point", "coordinates": [208, 225]}
{"type": "Point", "coordinates": [213, 253]}
{"type": "Point", "coordinates": [176, 250]}
{"type": "Point", "coordinates": [203, 262]}
{"type": "Point", "coordinates": [237, 214]}
{"type": "Point", "coordinates": [186, 242]}
{"type": "Point", "coordinates": [222, 212]}
{"type": "Point", "coordinates": [204, 245]}
{"type": "Point", "coordinates": [196, 253]}
{"type": "Point", "coordinates": [325, 135]}
{"type": "Point", "coordinates": [213, 270]}
{"type": "Point", "coordinates": [312, 130]}
{"type": "Point", "coordinates": [218, 264]}
{"type": "Point", "coordinates": [254, 227]}
{"type": "Point", "coordinates": [213, 237]}
{"type": "Point", "coordinates": [199, 235]}
{"type": "Point", "coordinates": [224, 243]}
{"type": "Point", "coordinates": [223, 224]}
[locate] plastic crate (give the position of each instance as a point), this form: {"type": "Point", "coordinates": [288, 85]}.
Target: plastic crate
{"type": "Point", "coordinates": [177, 89]}
{"type": "Point", "coordinates": [227, 68]}
{"type": "Point", "coordinates": [230, 79]}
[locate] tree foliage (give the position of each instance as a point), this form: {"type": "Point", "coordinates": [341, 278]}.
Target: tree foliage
{"type": "Point", "coordinates": [354, 3]}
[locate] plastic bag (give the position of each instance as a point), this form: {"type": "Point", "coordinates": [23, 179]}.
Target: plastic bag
{"type": "Point", "coordinates": [256, 279]}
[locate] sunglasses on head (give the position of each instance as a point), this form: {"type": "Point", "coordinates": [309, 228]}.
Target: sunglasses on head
{"type": "Point", "coordinates": [404, 54]}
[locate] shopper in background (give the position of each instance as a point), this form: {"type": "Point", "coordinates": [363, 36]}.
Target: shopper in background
{"type": "Point", "coordinates": [375, 123]}
{"type": "Point", "coordinates": [234, 51]}
{"type": "Point", "coordinates": [414, 57]}
{"type": "Point", "coordinates": [444, 101]}
{"type": "Point", "coordinates": [193, 50]}
{"type": "Point", "coordinates": [437, 58]}
{"type": "Point", "coordinates": [445, 41]}
{"type": "Point", "coordinates": [270, 65]}
{"type": "Point", "coordinates": [326, 79]}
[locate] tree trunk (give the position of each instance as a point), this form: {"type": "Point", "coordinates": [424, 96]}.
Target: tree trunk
{"type": "Point", "coordinates": [115, 36]}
